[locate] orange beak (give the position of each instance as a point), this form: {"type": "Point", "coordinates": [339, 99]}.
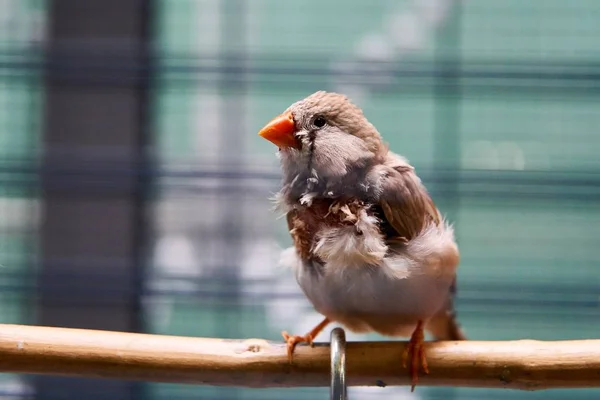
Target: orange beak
{"type": "Point", "coordinates": [280, 131]}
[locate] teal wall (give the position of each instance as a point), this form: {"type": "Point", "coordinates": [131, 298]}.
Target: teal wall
{"type": "Point", "coordinates": [21, 28]}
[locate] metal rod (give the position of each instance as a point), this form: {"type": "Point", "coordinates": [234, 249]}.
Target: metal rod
{"type": "Point", "coordinates": [338, 364]}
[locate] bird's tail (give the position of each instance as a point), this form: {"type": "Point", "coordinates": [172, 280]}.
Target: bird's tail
{"type": "Point", "coordinates": [444, 325]}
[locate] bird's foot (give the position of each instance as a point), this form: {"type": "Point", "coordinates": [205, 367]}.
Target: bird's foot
{"type": "Point", "coordinates": [293, 340]}
{"type": "Point", "coordinates": [417, 352]}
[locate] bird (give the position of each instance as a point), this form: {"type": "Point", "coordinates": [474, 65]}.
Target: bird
{"type": "Point", "coordinates": [371, 251]}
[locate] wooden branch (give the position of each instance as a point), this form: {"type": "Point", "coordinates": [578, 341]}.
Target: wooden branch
{"type": "Point", "coordinates": [523, 364]}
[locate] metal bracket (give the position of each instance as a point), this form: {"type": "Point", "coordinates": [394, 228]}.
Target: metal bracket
{"type": "Point", "coordinates": [338, 364]}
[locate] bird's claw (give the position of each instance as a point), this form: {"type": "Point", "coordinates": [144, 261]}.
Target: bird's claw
{"type": "Point", "coordinates": [416, 349]}
{"type": "Point", "coordinates": [293, 340]}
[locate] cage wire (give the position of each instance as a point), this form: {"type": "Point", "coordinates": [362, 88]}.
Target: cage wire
{"type": "Point", "coordinates": [494, 102]}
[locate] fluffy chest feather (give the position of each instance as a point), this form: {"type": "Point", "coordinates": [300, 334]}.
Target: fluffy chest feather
{"type": "Point", "coordinates": [337, 231]}
{"type": "Point", "coordinates": [354, 272]}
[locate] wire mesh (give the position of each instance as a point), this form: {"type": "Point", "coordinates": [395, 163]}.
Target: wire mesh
{"type": "Point", "coordinates": [494, 102]}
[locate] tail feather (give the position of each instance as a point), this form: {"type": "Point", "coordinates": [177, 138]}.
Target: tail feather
{"type": "Point", "coordinates": [444, 325]}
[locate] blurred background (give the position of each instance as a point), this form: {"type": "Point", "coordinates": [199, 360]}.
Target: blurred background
{"type": "Point", "coordinates": [134, 188]}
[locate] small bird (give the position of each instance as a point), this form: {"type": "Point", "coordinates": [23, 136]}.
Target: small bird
{"type": "Point", "coordinates": [371, 250]}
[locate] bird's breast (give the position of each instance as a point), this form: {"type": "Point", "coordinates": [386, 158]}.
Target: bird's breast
{"type": "Point", "coordinates": [329, 227]}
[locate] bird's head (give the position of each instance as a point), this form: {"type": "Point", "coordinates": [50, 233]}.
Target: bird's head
{"type": "Point", "coordinates": [323, 139]}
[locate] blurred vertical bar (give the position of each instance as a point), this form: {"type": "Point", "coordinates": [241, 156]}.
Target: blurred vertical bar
{"type": "Point", "coordinates": [447, 138]}
{"type": "Point", "coordinates": [448, 99]}
{"type": "Point", "coordinates": [231, 155]}
{"type": "Point", "coordinates": [95, 139]}
{"type": "Point", "coordinates": [231, 149]}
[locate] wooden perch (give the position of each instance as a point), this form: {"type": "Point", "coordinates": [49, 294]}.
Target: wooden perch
{"type": "Point", "coordinates": [523, 364]}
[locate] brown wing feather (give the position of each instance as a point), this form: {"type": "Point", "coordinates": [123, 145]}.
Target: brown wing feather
{"type": "Point", "coordinates": [406, 204]}
{"type": "Point", "coordinates": [408, 208]}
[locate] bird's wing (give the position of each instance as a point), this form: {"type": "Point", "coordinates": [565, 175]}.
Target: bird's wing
{"type": "Point", "coordinates": [404, 201]}
{"type": "Point", "coordinates": [407, 208]}
{"type": "Point", "coordinates": [444, 325]}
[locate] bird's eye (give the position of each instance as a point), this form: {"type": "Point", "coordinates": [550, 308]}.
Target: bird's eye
{"type": "Point", "coordinates": [319, 122]}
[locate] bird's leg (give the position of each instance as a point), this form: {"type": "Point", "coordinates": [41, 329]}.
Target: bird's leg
{"type": "Point", "coordinates": [417, 351]}
{"type": "Point", "coordinates": [293, 340]}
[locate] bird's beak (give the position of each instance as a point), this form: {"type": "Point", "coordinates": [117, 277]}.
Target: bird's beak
{"type": "Point", "coordinates": [280, 131]}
